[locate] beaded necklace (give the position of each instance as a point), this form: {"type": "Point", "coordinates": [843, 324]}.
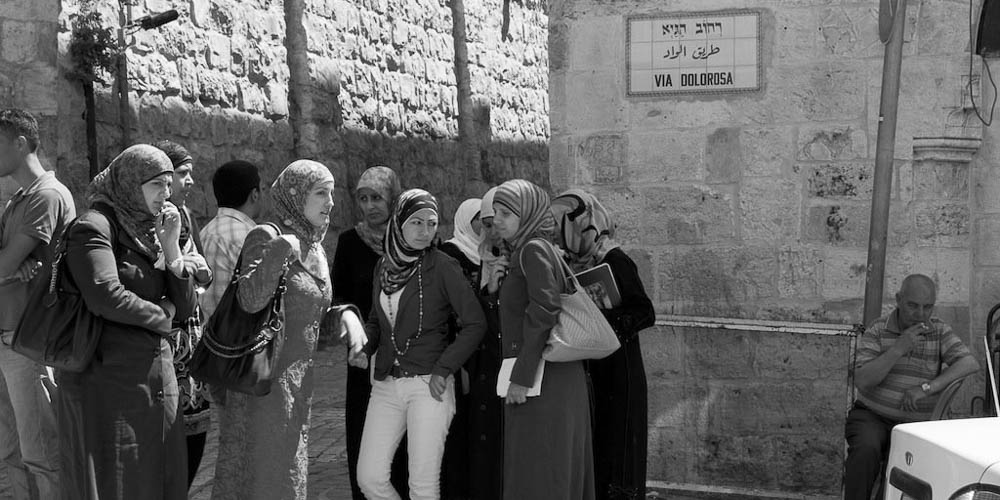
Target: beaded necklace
{"type": "Point", "coordinates": [420, 314]}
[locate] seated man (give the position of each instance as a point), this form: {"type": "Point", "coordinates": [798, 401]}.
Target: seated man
{"type": "Point", "coordinates": [903, 361]}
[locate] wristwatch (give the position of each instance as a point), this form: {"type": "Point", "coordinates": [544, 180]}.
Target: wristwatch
{"type": "Point", "coordinates": [926, 387]}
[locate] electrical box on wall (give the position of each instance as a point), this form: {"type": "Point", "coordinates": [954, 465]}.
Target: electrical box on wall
{"type": "Point", "coordinates": [988, 41]}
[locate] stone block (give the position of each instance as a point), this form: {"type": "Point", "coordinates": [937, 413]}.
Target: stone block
{"type": "Point", "coordinates": [34, 88]}
{"type": "Point", "coordinates": [766, 151]}
{"type": "Point", "coordinates": [687, 215]}
{"type": "Point", "coordinates": [804, 463]}
{"type": "Point", "coordinates": [602, 159]}
{"type": "Point", "coordinates": [20, 41]}
{"type": "Point", "coordinates": [938, 28]}
{"type": "Point", "coordinates": [666, 157]}
{"type": "Point", "coordinates": [806, 357]}
{"type": "Point", "coordinates": [844, 273]}
{"type": "Point", "coordinates": [940, 181]}
{"type": "Point", "coordinates": [849, 32]}
{"type": "Point", "coordinates": [847, 225]}
{"type": "Point", "coordinates": [742, 461]}
{"type": "Point", "coordinates": [819, 92]}
{"type": "Point", "coordinates": [562, 170]}
{"type": "Point", "coordinates": [722, 155]}
{"type": "Point", "coordinates": [670, 452]}
{"type": "Point", "coordinates": [985, 188]}
{"type": "Point", "coordinates": [677, 403]}
{"type": "Point", "coordinates": [277, 99]}
{"type": "Point", "coordinates": [188, 74]}
{"type": "Point", "coordinates": [986, 242]}
{"type": "Point", "coordinates": [669, 114]}
{"type": "Point", "coordinates": [770, 209]}
{"type": "Point", "coordinates": [841, 180]}
{"type": "Point", "coordinates": [663, 352]}
{"type": "Point", "coordinates": [831, 143]}
{"type": "Point", "coordinates": [720, 281]}
{"type": "Point", "coordinates": [626, 206]}
{"type": "Point", "coordinates": [717, 354]}
{"type": "Point", "coordinates": [595, 101]}
{"type": "Point", "coordinates": [949, 268]}
{"type": "Point", "coordinates": [595, 43]}
{"type": "Point", "coordinates": [984, 293]}
{"type": "Point", "coordinates": [942, 224]}
{"type": "Point", "coordinates": [768, 407]}
{"type": "Point", "coordinates": [800, 272]}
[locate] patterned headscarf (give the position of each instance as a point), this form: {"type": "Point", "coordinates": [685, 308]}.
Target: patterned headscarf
{"type": "Point", "coordinates": [400, 260]}
{"type": "Point", "coordinates": [586, 227]}
{"type": "Point", "coordinates": [289, 194]}
{"type": "Point", "coordinates": [385, 182]}
{"type": "Point", "coordinates": [120, 187]}
{"type": "Point", "coordinates": [466, 238]}
{"type": "Point", "coordinates": [531, 204]}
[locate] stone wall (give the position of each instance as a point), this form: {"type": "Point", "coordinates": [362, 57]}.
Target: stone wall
{"type": "Point", "coordinates": [27, 67]}
{"type": "Point", "coordinates": [351, 84]}
{"type": "Point", "coordinates": [755, 207]}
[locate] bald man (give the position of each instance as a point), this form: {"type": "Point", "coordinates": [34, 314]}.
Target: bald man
{"type": "Point", "coordinates": [904, 360]}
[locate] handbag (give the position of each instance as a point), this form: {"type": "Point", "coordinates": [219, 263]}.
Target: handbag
{"type": "Point", "coordinates": [57, 329]}
{"type": "Point", "coordinates": [582, 331]}
{"type": "Point", "coordinates": [237, 351]}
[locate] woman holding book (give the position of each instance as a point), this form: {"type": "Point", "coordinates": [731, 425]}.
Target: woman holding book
{"type": "Point", "coordinates": [586, 233]}
{"type": "Point", "coordinates": [547, 437]}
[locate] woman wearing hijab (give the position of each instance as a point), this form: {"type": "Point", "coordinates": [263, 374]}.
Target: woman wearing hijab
{"type": "Point", "coordinates": [586, 233]}
{"type": "Point", "coordinates": [121, 433]}
{"type": "Point", "coordinates": [358, 251]}
{"type": "Point", "coordinates": [262, 440]}
{"type": "Point", "coordinates": [485, 427]}
{"type": "Point", "coordinates": [463, 247]}
{"type": "Point", "coordinates": [417, 290]}
{"type": "Point", "coordinates": [547, 438]}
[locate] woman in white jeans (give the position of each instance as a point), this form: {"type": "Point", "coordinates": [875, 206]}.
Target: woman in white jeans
{"type": "Point", "coordinates": [416, 289]}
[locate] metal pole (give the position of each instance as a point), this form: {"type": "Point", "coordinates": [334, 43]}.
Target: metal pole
{"type": "Point", "coordinates": [124, 111]}
{"type": "Point", "coordinates": [875, 275]}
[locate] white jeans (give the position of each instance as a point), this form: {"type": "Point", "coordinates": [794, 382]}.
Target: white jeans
{"type": "Point", "coordinates": [398, 406]}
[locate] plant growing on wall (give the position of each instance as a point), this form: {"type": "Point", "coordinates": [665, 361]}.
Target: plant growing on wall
{"type": "Point", "coordinates": [93, 53]}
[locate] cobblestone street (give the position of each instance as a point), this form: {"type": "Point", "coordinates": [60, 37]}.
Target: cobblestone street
{"type": "Point", "coordinates": [328, 479]}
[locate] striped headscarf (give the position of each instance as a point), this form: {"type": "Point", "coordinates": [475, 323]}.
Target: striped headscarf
{"type": "Point", "coordinates": [400, 260]}
{"type": "Point", "coordinates": [289, 194]}
{"type": "Point", "coordinates": [385, 182]}
{"type": "Point", "coordinates": [585, 226]}
{"type": "Point", "coordinates": [120, 187]}
{"type": "Point", "coordinates": [531, 203]}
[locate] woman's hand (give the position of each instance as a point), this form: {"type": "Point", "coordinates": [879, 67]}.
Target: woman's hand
{"type": "Point", "coordinates": [352, 332]}
{"type": "Point", "coordinates": [516, 394]}
{"type": "Point", "coordinates": [357, 359]}
{"type": "Point", "coordinates": [168, 225]}
{"type": "Point", "coordinates": [293, 241]}
{"type": "Point", "coordinates": [438, 386]}
{"type": "Point", "coordinates": [497, 270]}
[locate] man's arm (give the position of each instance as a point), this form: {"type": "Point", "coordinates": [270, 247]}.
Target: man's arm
{"type": "Point", "coordinates": [873, 372]}
{"type": "Point", "coordinates": [964, 367]}
{"type": "Point", "coordinates": [14, 253]}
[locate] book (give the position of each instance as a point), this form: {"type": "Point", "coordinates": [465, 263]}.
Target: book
{"type": "Point", "coordinates": [601, 286]}
{"type": "Point", "coordinates": [503, 378]}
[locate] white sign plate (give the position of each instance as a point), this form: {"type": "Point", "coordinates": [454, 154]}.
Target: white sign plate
{"type": "Point", "coordinates": [693, 53]}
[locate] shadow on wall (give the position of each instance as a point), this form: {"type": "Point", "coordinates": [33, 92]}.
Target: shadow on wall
{"type": "Point", "coordinates": [223, 134]}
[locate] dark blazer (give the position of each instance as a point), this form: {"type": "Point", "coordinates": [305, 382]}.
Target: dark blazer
{"type": "Point", "coordinates": [445, 289]}
{"type": "Point", "coordinates": [119, 420]}
{"type": "Point", "coordinates": [529, 308]}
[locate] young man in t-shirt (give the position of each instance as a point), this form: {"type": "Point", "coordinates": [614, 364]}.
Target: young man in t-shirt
{"type": "Point", "coordinates": [30, 226]}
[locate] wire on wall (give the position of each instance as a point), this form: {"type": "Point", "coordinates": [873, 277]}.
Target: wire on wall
{"type": "Point", "coordinates": [989, 74]}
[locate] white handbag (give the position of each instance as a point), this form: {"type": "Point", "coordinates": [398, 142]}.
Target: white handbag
{"type": "Point", "coordinates": [582, 331]}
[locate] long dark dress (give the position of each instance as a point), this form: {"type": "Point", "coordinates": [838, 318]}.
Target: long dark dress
{"type": "Point", "coordinates": [548, 452]}
{"type": "Point", "coordinates": [121, 430]}
{"type": "Point", "coordinates": [352, 273]}
{"type": "Point", "coordinates": [619, 384]}
{"type": "Point", "coordinates": [455, 480]}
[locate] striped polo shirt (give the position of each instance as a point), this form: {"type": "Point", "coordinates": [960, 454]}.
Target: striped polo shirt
{"type": "Point", "coordinates": [933, 352]}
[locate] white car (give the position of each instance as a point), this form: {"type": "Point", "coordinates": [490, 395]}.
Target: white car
{"type": "Point", "coordinates": [945, 460]}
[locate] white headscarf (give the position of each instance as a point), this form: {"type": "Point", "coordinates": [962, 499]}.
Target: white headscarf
{"type": "Point", "coordinates": [466, 238]}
